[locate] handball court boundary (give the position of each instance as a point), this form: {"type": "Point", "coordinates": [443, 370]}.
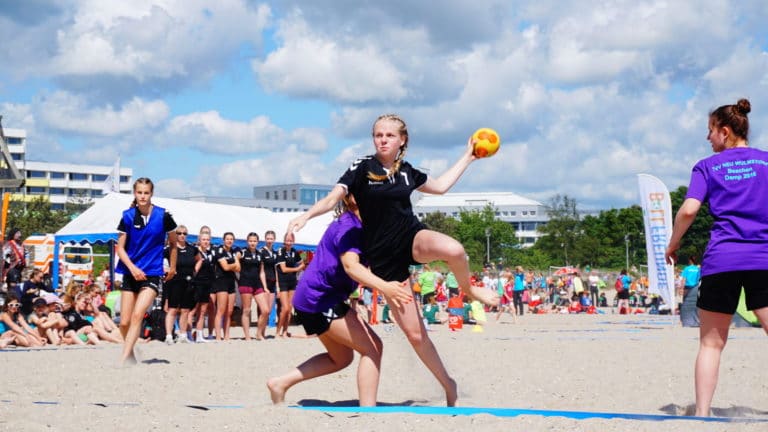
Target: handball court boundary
{"type": "Point", "coordinates": [436, 410]}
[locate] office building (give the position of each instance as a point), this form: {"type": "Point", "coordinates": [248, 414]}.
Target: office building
{"type": "Point", "coordinates": [61, 183]}
{"type": "Point", "coordinates": [525, 215]}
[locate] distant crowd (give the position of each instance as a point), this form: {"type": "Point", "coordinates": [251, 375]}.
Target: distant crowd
{"type": "Point", "coordinates": [87, 312]}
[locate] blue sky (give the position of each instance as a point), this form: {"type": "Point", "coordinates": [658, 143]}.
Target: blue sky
{"type": "Point", "coordinates": [216, 97]}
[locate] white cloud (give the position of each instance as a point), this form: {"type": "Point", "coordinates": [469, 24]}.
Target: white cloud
{"type": "Point", "coordinates": [584, 95]}
{"type": "Point", "coordinates": [68, 112]}
{"type": "Point", "coordinates": [174, 188]}
{"type": "Point", "coordinates": [146, 40]}
{"type": "Point", "coordinates": [289, 165]}
{"type": "Point", "coordinates": [310, 65]}
{"type": "Point", "coordinates": [210, 133]}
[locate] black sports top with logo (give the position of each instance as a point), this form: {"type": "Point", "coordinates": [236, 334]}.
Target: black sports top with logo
{"type": "Point", "coordinates": [269, 258]}
{"type": "Point", "coordinates": [207, 267]}
{"type": "Point", "coordinates": [250, 269]}
{"type": "Point", "coordinates": [228, 255]}
{"type": "Point", "coordinates": [185, 261]}
{"type": "Point", "coordinates": [389, 224]}
{"type": "Point", "coordinates": [292, 259]}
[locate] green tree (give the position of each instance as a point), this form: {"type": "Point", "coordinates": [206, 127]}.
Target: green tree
{"type": "Point", "coordinates": [36, 216]}
{"type": "Point", "coordinates": [470, 231]}
{"type": "Point", "coordinates": [440, 222]}
{"type": "Point", "coordinates": [696, 238]}
{"type": "Point", "coordinates": [561, 233]}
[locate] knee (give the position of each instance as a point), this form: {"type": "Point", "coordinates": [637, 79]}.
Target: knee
{"type": "Point", "coordinates": [415, 338]}
{"type": "Point", "coordinates": [378, 346]}
{"type": "Point", "coordinates": [345, 359]}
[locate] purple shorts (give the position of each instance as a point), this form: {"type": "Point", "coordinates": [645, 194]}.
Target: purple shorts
{"type": "Point", "coordinates": [250, 290]}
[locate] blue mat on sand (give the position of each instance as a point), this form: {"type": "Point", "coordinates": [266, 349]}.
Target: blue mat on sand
{"type": "Point", "coordinates": [514, 412]}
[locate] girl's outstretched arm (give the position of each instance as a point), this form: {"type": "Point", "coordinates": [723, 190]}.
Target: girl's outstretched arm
{"type": "Point", "coordinates": [321, 207]}
{"type": "Point", "coordinates": [443, 183]}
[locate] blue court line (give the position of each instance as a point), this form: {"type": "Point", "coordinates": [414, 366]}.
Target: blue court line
{"type": "Point", "coordinates": [514, 412]}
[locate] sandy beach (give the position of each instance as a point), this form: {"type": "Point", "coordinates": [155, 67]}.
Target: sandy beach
{"type": "Point", "coordinates": [593, 363]}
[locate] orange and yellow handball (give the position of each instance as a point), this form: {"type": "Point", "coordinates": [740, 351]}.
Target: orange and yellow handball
{"type": "Point", "coordinates": [487, 142]}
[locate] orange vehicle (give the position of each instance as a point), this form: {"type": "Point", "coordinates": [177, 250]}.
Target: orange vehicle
{"type": "Point", "coordinates": [77, 258]}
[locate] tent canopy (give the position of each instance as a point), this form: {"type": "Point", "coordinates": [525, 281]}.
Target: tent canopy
{"type": "Point", "coordinates": [99, 223]}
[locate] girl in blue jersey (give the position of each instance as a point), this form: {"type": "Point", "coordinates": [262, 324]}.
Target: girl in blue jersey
{"type": "Point", "coordinates": [320, 306]}
{"type": "Point", "coordinates": [142, 233]}
{"type": "Point", "coordinates": [393, 238]}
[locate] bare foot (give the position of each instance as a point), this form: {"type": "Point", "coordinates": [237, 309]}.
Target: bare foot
{"type": "Point", "coordinates": [483, 295]}
{"type": "Point", "coordinates": [452, 394]}
{"type": "Point", "coordinates": [276, 390]}
{"type": "Point", "coordinates": [5, 342]}
{"type": "Point", "coordinates": [129, 361]}
{"type": "Point", "coordinates": [259, 338]}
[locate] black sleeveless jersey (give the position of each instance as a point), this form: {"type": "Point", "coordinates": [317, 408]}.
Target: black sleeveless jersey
{"type": "Point", "coordinates": [385, 206]}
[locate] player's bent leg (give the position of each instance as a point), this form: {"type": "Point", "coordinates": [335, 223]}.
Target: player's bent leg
{"type": "Point", "coordinates": [431, 245]}
{"type": "Point", "coordinates": [337, 357]}
{"type": "Point", "coordinates": [408, 318]}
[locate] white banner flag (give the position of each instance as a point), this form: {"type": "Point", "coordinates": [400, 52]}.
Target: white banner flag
{"type": "Point", "coordinates": [112, 183]}
{"type": "Point", "coordinates": [657, 217]}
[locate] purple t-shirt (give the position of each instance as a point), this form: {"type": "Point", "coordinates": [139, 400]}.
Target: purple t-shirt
{"type": "Point", "coordinates": [735, 184]}
{"type": "Point", "coordinates": [324, 283]}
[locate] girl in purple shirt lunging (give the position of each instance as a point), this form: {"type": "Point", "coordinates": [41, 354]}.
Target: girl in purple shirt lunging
{"type": "Point", "coordinates": [319, 302]}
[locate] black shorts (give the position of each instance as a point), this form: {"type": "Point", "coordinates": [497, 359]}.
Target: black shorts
{"type": "Point", "coordinates": [720, 292]}
{"type": "Point", "coordinates": [203, 291]}
{"type": "Point", "coordinates": [289, 285]}
{"type": "Point", "coordinates": [317, 323]}
{"type": "Point", "coordinates": [623, 294]}
{"type": "Point", "coordinates": [134, 286]}
{"type": "Point", "coordinates": [391, 264]}
{"type": "Point", "coordinates": [223, 285]}
{"type": "Point", "coordinates": [271, 285]}
{"type": "Point", "coordinates": [181, 294]}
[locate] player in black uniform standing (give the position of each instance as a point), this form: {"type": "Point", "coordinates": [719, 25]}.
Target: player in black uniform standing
{"type": "Point", "coordinates": [204, 274]}
{"type": "Point", "coordinates": [224, 283]}
{"type": "Point", "coordinates": [393, 238]}
{"type": "Point", "coordinates": [269, 259]}
{"type": "Point", "coordinates": [251, 283]}
{"type": "Point", "coordinates": [289, 264]}
{"type": "Point", "coordinates": [181, 291]}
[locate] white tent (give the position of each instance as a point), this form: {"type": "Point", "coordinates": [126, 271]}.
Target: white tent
{"type": "Point", "coordinates": [98, 224]}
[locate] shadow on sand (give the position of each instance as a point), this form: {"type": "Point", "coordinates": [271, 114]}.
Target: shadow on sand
{"type": "Point", "coordinates": [733, 411]}
{"type": "Point", "coordinates": [355, 402]}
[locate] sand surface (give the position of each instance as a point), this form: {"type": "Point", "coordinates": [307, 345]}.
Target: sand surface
{"type": "Point", "coordinates": [594, 363]}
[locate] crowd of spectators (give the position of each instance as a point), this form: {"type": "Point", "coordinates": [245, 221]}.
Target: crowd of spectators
{"type": "Point", "coordinates": [78, 314]}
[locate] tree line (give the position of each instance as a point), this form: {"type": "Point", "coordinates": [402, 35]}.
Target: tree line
{"type": "Point", "coordinates": [610, 239]}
